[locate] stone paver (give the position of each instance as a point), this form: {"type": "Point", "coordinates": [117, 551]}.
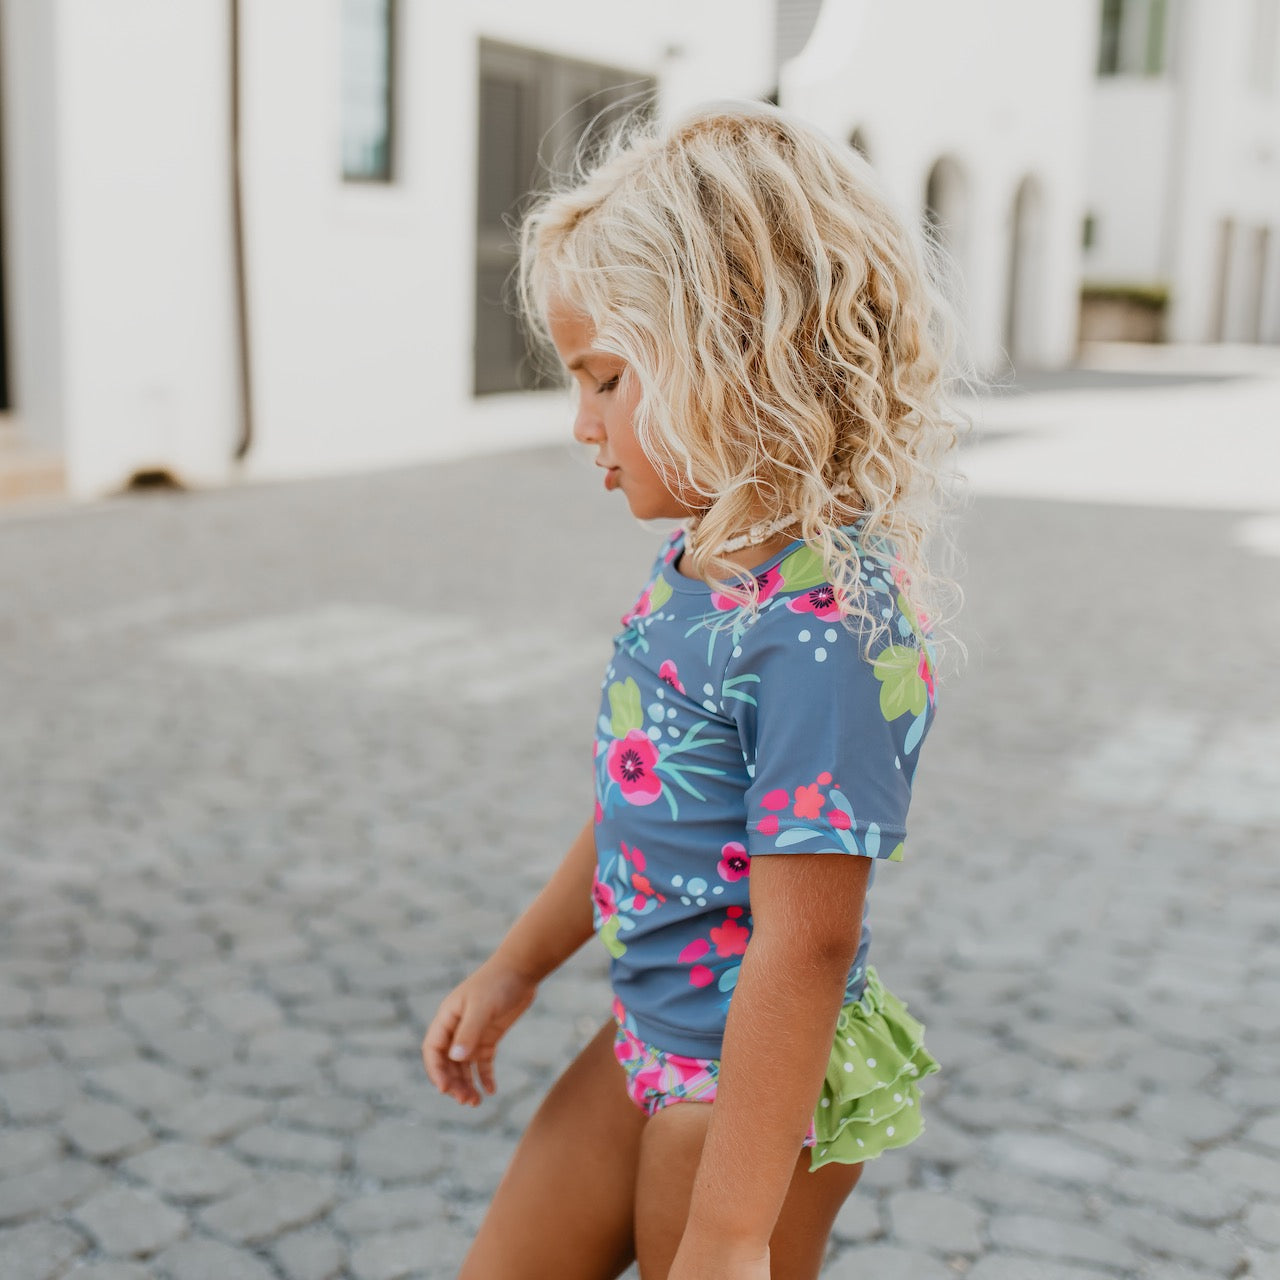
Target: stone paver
{"type": "Point", "coordinates": [272, 1145]}
{"type": "Point", "coordinates": [394, 1255]}
{"type": "Point", "coordinates": [47, 1189]}
{"type": "Point", "coordinates": [189, 1172]}
{"type": "Point", "coordinates": [936, 1220]}
{"type": "Point", "coordinates": [311, 1254]}
{"type": "Point", "coordinates": [271, 1205]}
{"type": "Point", "coordinates": [101, 1130]}
{"type": "Point", "coordinates": [887, 1262]}
{"type": "Point", "coordinates": [38, 1250]}
{"type": "Point", "coordinates": [129, 1223]}
{"type": "Point", "coordinates": [212, 1116]}
{"type": "Point", "coordinates": [27, 1149]}
{"type": "Point", "coordinates": [1063, 1241]}
{"type": "Point", "coordinates": [293, 806]}
{"type": "Point", "coordinates": [209, 1260]}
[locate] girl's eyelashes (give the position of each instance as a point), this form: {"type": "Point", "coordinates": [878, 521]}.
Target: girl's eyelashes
{"type": "Point", "coordinates": [609, 385]}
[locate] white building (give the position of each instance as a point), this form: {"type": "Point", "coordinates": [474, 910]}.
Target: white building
{"type": "Point", "coordinates": [974, 116]}
{"type": "Point", "coordinates": [1184, 163]}
{"type": "Point", "coordinates": [248, 239]}
{"type": "Point", "coordinates": [333, 324]}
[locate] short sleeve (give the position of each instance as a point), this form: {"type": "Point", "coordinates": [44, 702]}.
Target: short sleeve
{"type": "Point", "coordinates": [830, 735]}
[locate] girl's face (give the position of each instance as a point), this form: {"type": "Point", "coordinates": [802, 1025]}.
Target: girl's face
{"type": "Point", "coordinates": [606, 406]}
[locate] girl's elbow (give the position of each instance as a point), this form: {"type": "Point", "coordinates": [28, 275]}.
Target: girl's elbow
{"type": "Point", "coordinates": [812, 947]}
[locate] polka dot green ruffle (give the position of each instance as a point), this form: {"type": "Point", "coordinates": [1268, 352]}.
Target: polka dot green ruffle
{"type": "Point", "coordinates": [870, 1100]}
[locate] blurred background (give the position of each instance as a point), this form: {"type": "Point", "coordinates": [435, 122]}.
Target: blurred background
{"type": "Point", "coordinates": [304, 605]}
{"type": "Point", "coordinates": [268, 238]}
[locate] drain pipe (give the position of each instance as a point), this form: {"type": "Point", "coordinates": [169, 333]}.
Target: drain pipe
{"type": "Point", "coordinates": [244, 364]}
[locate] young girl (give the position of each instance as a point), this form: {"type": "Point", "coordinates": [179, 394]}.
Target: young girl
{"type": "Point", "coordinates": [757, 349]}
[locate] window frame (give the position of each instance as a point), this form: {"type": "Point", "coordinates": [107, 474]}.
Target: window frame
{"type": "Point", "coordinates": [388, 173]}
{"type": "Point", "coordinates": [558, 87]}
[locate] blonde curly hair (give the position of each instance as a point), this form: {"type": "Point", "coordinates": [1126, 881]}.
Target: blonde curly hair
{"type": "Point", "coordinates": [791, 337]}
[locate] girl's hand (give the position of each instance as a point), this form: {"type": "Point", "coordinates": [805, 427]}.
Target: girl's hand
{"type": "Point", "coordinates": [463, 1036]}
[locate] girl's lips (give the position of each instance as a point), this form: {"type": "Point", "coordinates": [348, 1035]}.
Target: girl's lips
{"type": "Point", "coordinates": [612, 478]}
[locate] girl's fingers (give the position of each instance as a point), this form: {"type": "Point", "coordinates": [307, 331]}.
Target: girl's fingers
{"type": "Point", "coordinates": [484, 1067]}
{"type": "Point", "coordinates": [435, 1045]}
{"type": "Point", "coordinates": [451, 1057]}
{"type": "Point", "coordinates": [446, 1070]}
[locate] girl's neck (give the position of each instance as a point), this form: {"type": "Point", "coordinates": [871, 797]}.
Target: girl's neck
{"type": "Point", "coordinates": [747, 558]}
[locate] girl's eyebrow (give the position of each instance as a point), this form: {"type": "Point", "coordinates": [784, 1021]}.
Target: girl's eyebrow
{"type": "Point", "coordinates": [579, 362]}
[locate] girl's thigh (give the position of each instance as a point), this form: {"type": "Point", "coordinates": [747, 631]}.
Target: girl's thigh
{"type": "Point", "coordinates": [669, 1155]}
{"type": "Point", "coordinates": [565, 1206]}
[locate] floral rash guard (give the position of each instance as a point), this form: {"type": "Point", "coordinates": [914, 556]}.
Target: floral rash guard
{"type": "Point", "coordinates": [725, 736]}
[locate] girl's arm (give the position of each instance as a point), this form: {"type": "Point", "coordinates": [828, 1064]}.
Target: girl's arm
{"type": "Point", "coordinates": [474, 1016]}
{"type": "Point", "coordinates": [807, 916]}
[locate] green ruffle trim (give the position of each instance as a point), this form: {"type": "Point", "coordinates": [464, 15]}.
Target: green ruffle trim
{"type": "Point", "coordinates": [870, 1100]}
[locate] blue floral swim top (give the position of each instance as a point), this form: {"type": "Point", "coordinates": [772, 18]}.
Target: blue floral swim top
{"type": "Point", "coordinates": [724, 736]}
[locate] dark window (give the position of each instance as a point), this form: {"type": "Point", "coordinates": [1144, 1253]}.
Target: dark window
{"type": "Point", "coordinates": [368, 89]}
{"type": "Point", "coordinates": [1109, 41]}
{"type": "Point", "coordinates": [1133, 38]}
{"type": "Point", "coordinates": [1089, 232]}
{"type": "Point", "coordinates": [535, 111]}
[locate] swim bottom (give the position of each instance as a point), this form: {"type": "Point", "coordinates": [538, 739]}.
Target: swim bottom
{"type": "Point", "coordinates": [870, 1097]}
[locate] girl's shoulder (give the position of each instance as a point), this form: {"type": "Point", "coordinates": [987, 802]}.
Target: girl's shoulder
{"type": "Point", "coordinates": [800, 582]}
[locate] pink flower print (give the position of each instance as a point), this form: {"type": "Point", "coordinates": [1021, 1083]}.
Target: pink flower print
{"type": "Point", "coordinates": [699, 975]}
{"type": "Point", "coordinates": [730, 938]}
{"type": "Point", "coordinates": [735, 862]}
{"type": "Point", "coordinates": [823, 602]}
{"type": "Point", "coordinates": [669, 673]}
{"type": "Point", "coordinates": [603, 897]}
{"type": "Point", "coordinates": [776, 800]}
{"type": "Point", "coordinates": [630, 764]}
{"type": "Point", "coordinates": [768, 825]}
{"type": "Point", "coordinates": [638, 880]}
{"type": "Point", "coordinates": [808, 801]}
{"type": "Point", "coordinates": [839, 819]}
{"type": "Point", "coordinates": [599, 813]}
{"type": "Point", "coordinates": [925, 672]}
{"type": "Point", "coordinates": [767, 584]}
{"type": "Point", "coordinates": [641, 607]}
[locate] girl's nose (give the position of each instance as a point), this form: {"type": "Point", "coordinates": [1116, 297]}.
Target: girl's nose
{"type": "Point", "coordinates": [587, 426]}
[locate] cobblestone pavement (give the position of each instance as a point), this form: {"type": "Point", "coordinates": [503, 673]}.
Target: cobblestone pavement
{"type": "Point", "coordinates": [277, 769]}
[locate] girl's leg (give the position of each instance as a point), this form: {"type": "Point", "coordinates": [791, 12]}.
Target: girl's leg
{"type": "Point", "coordinates": [565, 1206]}
{"type": "Point", "coordinates": [669, 1155]}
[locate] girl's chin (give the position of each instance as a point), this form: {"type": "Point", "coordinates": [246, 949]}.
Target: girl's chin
{"type": "Point", "coordinates": [653, 509]}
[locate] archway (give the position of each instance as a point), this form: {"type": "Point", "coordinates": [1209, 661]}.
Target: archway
{"type": "Point", "coordinates": [1024, 282]}
{"type": "Point", "coordinates": [946, 201]}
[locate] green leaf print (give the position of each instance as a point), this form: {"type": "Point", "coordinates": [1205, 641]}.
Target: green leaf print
{"type": "Point", "coordinates": [624, 706]}
{"type": "Point", "coordinates": [901, 689]}
{"type": "Point", "coordinates": [659, 593]}
{"type": "Point", "coordinates": [803, 570]}
{"type": "Point", "coordinates": [609, 936]}
{"type": "Point", "coordinates": [896, 855]}
{"type": "Point", "coordinates": [904, 608]}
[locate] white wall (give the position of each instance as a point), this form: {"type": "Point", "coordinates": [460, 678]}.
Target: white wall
{"type": "Point", "coordinates": [146, 241]}
{"type": "Point", "coordinates": [1173, 160]}
{"type": "Point", "coordinates": [362, 296]}
{"type": "Point", "coordinates": [1130, 155]}
{"type": "Point", "coordinates": [118, 235]}
{"type": "Point", "coordinates": [1001, 86]}
{"type": "Point", "coordinates": [33, 216]}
